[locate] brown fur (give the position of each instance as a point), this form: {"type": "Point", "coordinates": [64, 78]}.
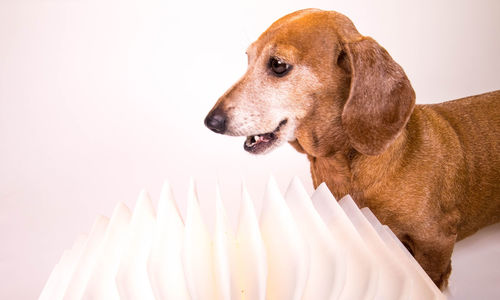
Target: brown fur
{"type": "Point", "coordinates": [430, 172]}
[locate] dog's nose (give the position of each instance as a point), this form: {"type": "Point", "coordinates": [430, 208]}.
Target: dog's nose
{"type": "Point", "coordinates": [216, 121]}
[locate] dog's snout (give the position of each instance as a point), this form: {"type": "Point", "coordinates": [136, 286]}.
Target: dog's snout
{"type": "Point", "coordinates": [216, 121]}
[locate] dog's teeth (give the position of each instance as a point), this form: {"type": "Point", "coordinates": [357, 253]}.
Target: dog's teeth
{"type": "Point", "coordinates": [252, 140]}
{"type": "Point", "coordinates": [255, 139]}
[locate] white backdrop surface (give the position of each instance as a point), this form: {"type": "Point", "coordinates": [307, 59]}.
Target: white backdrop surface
{"type": "Point", "coordinates": [99, 99]}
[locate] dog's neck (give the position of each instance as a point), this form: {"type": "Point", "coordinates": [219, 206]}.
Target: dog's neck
{"type": "Point", "coordinates": [350, 172]}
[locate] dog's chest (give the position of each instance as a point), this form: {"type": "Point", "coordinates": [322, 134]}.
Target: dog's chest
{"type": "Point", "coordinates": [334, 171]}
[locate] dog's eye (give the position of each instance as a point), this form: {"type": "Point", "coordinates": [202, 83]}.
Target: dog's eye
{"type": "Point", "coordinates": [279, 67]}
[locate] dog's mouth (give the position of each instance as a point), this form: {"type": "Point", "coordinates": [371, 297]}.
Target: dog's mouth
{"type": "Point", "coordinates": [259, 143]}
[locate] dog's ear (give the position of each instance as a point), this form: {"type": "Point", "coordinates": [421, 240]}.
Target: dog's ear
{"type": "Point", "coordinates": [380, 100]}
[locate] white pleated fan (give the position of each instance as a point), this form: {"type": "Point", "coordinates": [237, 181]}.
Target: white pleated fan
{"type": "Point", "coordinates": [301, 247]}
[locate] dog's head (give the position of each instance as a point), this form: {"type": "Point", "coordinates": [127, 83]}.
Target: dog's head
{"type": "Point", "coordinates": [314, 81]}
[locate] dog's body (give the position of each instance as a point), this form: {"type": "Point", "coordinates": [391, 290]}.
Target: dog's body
{"type": "Point", "coordinates": [430, 172]}
{"type": "Point", "coordinates": [436, 184]}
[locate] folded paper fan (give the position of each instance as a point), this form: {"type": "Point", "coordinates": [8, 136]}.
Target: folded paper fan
{"type": "Point", "coordinates": [301, 247]}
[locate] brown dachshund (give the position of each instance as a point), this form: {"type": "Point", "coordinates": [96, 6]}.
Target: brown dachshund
{"type": "Point", "coordinates": [430, 172]}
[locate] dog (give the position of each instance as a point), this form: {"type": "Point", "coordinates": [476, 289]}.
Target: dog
{"type": "Point", "coordinates": [430, 172]}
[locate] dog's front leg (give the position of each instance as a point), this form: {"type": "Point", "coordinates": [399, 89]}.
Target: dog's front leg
{"type": "Point", "coordinates": [433, 253]}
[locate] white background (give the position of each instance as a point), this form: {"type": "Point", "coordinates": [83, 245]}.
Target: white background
{"type": "Point", "coordinates": [101, 98]}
